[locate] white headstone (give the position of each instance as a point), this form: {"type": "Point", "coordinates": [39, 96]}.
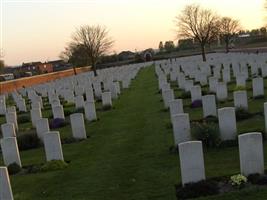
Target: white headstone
{"type": "Point", "coordinates": [241, 99]}
{"type": "Point", "coordinates": [8, 130]}
{"type": "Point", "coordinates": [209, 105]}
{"type": "Point", "coordinates": [251, 153]}
{"type": "Point", "coordinates": [191, 162]}
{"type": "Point", "coordinates": [181, 128]}
{"type": "Point", "coordinates": [77, 126]}
{"type": "Point", "coordinates": [90, 112]}
{"type": "Point", "coordinates": [5, 186]}
{"type": "Point", "coordinates": [42, 126]}
{"type": "Point", "coordinates": [10, 151]}
{"type": "Point", "coordinates": [52, 144]}
{"type": "Point", "coordinates": [227, 123]}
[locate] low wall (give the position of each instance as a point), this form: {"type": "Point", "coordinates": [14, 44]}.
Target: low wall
{"type": "Point", "coordinates": [9, 86]}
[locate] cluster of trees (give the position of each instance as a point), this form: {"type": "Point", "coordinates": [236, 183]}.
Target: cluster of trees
{"type": "Point", "coordinates": [204, 27]}
{"type": "Point", "coordinates": [168, 46]}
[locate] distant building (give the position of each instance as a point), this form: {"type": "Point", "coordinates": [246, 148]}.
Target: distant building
{"type": "Point", "coordinates": [31, 66]}
{"type": "Point", "coordinates": [126, 55]}
{"type": "Point", "coordinates": [45, 68]}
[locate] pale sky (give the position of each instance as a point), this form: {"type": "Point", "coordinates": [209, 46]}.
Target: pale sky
{"type": "Point", "coordinates": [38, 30]}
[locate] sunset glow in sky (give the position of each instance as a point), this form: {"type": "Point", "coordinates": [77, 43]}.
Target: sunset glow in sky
{"type": "Point", "coordinates": [38, 30]}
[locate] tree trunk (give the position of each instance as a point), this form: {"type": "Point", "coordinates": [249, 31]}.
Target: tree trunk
{"type": "Point", "coordinates": [226, 44]}
{"type": "Point", "coordinates": [94, 68]}
{"type": "Point", "coordinates": [74, 70]}
{"type": "Point", "coordinates": [203, 52]}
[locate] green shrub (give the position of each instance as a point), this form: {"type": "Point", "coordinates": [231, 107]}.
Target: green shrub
{"type": "Point", "coordinates": [259, 97]}
{"type": "Point", "coordinates": [79, 110]}
{"type": "Point", "coordinates": [185, 95]}
{"type": "Point", "coordinates": [24, 119]}
{"type": "Point", "coordinates": [239, 87]}
{"type": "Point", "coordinates": [67, 112]}
{"type": "Point", "coordinates": [107, 107]}
{"type": "Point", "coordinates": [13, 168]}
{"type": "Point", "coordinates": [211, 118]}
{"type": "Point", "coordinates": [28, 141]}
{"type": "Point", "coordinates": [257, 179]}
{"type": "Point", "coordinates": [207, 133]}
{"type": "Point", "coordinates": [54, 165]}
{"type": "Point", "coordinates": [68, 104]}
{"type": "Point", "coordinates": [242, 113]}
{"type": "Point", "coordinates": [194, 190]}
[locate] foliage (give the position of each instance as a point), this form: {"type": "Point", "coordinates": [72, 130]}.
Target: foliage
{"type": "Point", "coordinates": [257, 179]}
{"type": "Point", "coordinates": [206, 132]}
{"type": "Point", "coordinates": [106, 107]}
{"type": "Point", "coordinates": [194, 190]}
{"type": "Point", "coordinates": [169, 46]}
{"type": "Point", "coordinates": [54, 165]}
{"type": "Point", "coordinates": [23, 119]}
{"type": "Point", "coordinates": [242, 113]}
{"type": "Point", "coordinates": [28, 141]}
{"type": "Point", "coordinates": [196, 104]}
{"type": "Point", "coordinates": [185, 94]}
{"type": "Point", "coordinates": [161, 47]}
{"type": "Point", "coordinates": [13, 168]}
{"type": "Point", "coordinates": [239, 88]}
{"type": "Point", "coordinates": [238, 180]}
{"type": "Point", "coordinates": [57, 123]}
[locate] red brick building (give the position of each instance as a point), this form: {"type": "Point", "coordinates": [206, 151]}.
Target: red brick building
{"type": "Point", "coordinates": [45, 67]}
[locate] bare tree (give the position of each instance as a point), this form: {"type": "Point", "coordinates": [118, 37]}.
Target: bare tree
{"type": "Point", "coordinates": [2, 65]}
{"type": "Point", "coordinates": [94, 40]}
{"type": "Point", "coordinates": [228, 28]}
{"type": "Point", "coordinates": [198, 24]}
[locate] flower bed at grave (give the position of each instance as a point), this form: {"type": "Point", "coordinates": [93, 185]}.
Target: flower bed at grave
{"type": "Point", "coordinates": [219, 185]}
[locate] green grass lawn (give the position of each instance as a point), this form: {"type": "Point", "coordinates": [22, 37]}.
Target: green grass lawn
{"type": "Point", "coordinates": [127, 156]}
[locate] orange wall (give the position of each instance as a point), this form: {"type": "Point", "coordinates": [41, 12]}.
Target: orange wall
{"type": "Point", "coordinates": [9, 86]}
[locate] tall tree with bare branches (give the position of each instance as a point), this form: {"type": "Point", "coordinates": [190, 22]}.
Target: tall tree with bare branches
{"type": "Point", "coordinates": [92, 42]}
{"type": "Point", "coordinates": [228, 28]}
{"type": "Point", "coordinates": [198, 24]}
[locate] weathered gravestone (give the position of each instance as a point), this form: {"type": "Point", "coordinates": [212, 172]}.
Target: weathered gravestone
{"type": "Point", "coordinates": [191, 162]}
{"type": "Point", "coordinates": [181, 128]}
{"type": "Point", "coordinates": [77, 126]}
{"type": "Point", "coordinates": [227, 123]}
{"type": "Point", "coordinates": [251, 153]}
{"type": "Point", "coordinates": [241, 99]}
{"type": "Point", "coordinates": [10, 151]}
{"type": "Point", "coordinates": [8, 130]}
{"type": "Point", "coordinates": [52, 144]}
{"type": "Point", "coordinates": [5, 186]}
{"type": "Point", "coordinates": [209, 105]}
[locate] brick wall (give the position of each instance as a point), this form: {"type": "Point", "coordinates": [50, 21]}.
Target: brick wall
{"type": "Point", "coordinates": [9, 86]}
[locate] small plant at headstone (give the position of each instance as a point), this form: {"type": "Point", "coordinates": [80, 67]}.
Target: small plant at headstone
{"type": "Point", "coordinates": [259, 97]}
{"type": "Point", "coordinates": [106, 107]}
{"type": "Point", "coordinates": [23, 119]}
{"type": "Point", "coordinates": [238, 181]}
{"type": "Point", "coordinates": [28, 141]}
{"type": "Point", "coordinates": [67, 112]}
{"type": "Point", "coordinates": [13, 168]}
{"type": "Point", "coordinates": [194, 190]}
{"type": "Point", "coordinates": [257, 179]}
{"type": "Point", "coordinates": [185, 95]}
{"type": "Point", "coordinates": [57, 123]}
{"type": "Point", "coordinates": [206, 132]}
{"type": "Point", "coordinates": [54, 165]}
{"type": "Point", "coordinates": [196, 104]}
{"type": "Point", "coordinates": [68, 104]}
{"type": "Point", "coordinates": [79, 110]}
{"type": "Point", "coordinates": [211, 118]}
{"type": "Point", "coordinates": [239, 88]}
{"type": "Point", "coordinates": [242, 113]}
